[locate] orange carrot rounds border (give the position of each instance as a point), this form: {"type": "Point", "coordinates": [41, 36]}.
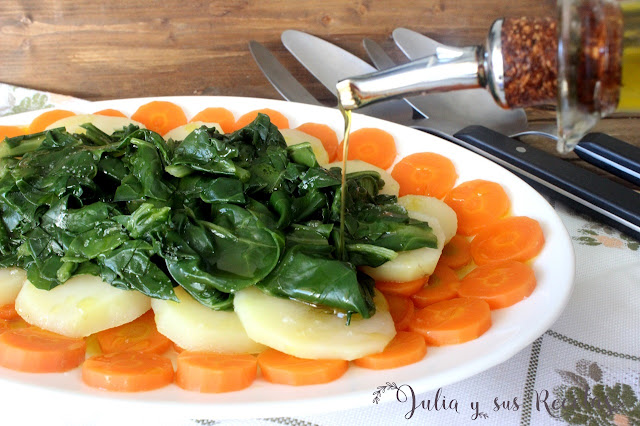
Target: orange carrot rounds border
{"type": "Point", "coordinates": [513, 238]}
{"type": "Point", "coordinates": [44, 120]}
{"type": "Point", "coordinates": [452, 321]}
{"type": "Point", "coordinates": [219, 115]}
{"type": "Point", "coordinates": [500, 284]}
{"type": "Point", "coordinates": [35, 350]}
{"type": "Point", "coordinates": [406, 348]}
{"type": "Point", "coordinates": [140, 335]}
{"type": "Point", "coordinates": [8, 312]}
{"type": "Point", "coordinates": [477, 203]}
{"type": "Point", "coordinates": [326, 135]}
{"type": "Point", "coordinates": [277, 118]}
{"type": "Point", "coordinates": [374, 146]}
{"type": "Point", "coordinates": [278, 367]}
{"type": "Point", "coordinates": [425, 173]}
{"type": "Point", "coordinates": [210, 372]}
{"type": "Point", "coordinates": [127, 372]}
{"type": "Point", "coordinates": [160, 116]}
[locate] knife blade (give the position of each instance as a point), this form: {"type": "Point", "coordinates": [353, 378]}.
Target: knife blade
{"type": "Point", "coordinates": [330, 64]}
{"type": "Point", "coordinates": [472, 106]}
{"type": "Point", "coordinates": [279, 77]}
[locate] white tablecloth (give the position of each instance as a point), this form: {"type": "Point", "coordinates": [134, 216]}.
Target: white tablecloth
{"type": "Point", "coordinates": [590, 355]}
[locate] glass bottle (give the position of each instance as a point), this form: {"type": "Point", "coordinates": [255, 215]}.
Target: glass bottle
{"type": "Point", "coordinates": [586, 61]}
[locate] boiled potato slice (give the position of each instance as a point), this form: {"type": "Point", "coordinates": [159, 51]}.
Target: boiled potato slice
{"type": "Point", "coordinates": [105, 123]}
{"type": "Point", "coordinates": [194, 327]}
{"type": "Point", "coordinates": [433, 207]}
{"type": "Point", "coordinates": [83, 305]}
{"type": "Point", "coordinates": [413, 264]}
{"type": "Point", "coordinates": [294, 137]}
{"type": "Point", "coordinates": [298, 329]}
{"type": "Point", "coordinates": [391, 186]}
{"type": "Point", "coordinates": [11, 280]}
{"type": "Point", "coordinates": [181, 132]}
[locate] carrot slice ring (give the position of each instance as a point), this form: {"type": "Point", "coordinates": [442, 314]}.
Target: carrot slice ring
{"type": "Point", "coordinates": [160, 116]}
{"type": "Point", "coordinates": [281, 368]}
{"type": "Point", "coordinates": [326, 135]}
{"type": "Point", "coordinates": [406, 288]}
{"type": "Point", "coordinates": [374, 146]}
{"type": "Point", "coordinates": [500, 284]}
{"type": "Point", "coordinates": [277, 118]}
{"type": "Point", "coordinates": [11, 131]}
{"type": "Point", "coordinates": [401, 309]}
{"type": "Point", "coordinates": [215, 373]}
{"type": "Point", "coordinates": [38, 351]}
{"type": "Point", "coordinates": [477, 203]}
{"type": "Point", "coordinates": [513, 238]}
{"type": "Point", "coordinates": [442, 285]}
{"type": "Point", "coordinates": [139, 335]}
{"type": "Point", "coordinates": [407, 347]}
{"type": "Point", "coordinates": [219, 115]}
{"type": "Point", "coordinates": [109, 112]}
{"type": "Point", "coordinates": [452, 321]}
{"type": "Point", "coordinates": [127, 371]}
{"type": "Point", "coordinates": [44, 120]}
{"type": "Point", "coordinates": [456, 253]}
{"type": "Point", "coordinates": [425, 173]}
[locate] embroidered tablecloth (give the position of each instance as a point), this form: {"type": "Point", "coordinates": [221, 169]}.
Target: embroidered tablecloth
{"type": "Point", "coordinates": [590, 358]}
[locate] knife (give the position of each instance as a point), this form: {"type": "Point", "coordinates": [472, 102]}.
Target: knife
{"type": "Point", "coordinates": [613, 155]}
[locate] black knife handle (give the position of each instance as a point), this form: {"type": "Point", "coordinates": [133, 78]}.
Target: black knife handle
{"type": "Point", "coordinates": [613, 155]}
{"type": "Point", "coordinates": [594, 195]}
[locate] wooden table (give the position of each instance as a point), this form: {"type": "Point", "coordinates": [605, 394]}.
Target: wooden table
{"type": "Point", "coordinates": [126, 48]}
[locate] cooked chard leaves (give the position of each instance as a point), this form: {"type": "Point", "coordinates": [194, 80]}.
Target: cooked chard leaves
{"type": "Point", "coordinates": [214, 213]}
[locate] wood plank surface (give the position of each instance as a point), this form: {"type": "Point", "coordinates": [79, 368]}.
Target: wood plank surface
{"type": "Point", "coordinates": [126, 48]}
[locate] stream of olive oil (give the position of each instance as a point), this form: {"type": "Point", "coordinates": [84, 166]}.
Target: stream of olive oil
{"type": "Point", "coordinates": [346, 114]}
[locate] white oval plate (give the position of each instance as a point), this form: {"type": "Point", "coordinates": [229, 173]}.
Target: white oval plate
{"type": "Point", "coordinates": [513, 328]}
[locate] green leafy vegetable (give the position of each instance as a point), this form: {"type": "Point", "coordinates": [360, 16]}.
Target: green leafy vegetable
{"type": "Point", "coordinates": [214, 213]}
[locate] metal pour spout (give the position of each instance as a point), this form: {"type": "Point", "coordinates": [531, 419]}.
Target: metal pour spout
{"type": "Point", "coordinates": [451, 68]}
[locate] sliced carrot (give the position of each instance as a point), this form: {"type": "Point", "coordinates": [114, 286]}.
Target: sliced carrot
{"type": "Point", "coordinates": [211, 372]}
{"type": "Point", "coordinates": [401, 309]}
{"type": "Point", "coordinates": [277, 118]}
{"type": "Point", "coordinates": [326, 135]}
{"type": "Point", "coordinates": [407, 347]}
{"type": "Point", "coordinates": [109, 112]}
{"type": "Point", "coordinates": [219, 115]}
{"type": "Point", "coordinates": [425, 173]}
{"type": "Point", "coordinates": [374, 146]}
{"type": "Point", "coordinates": [407, 288]}
{"type": "Point", "coordinates": [442, 285]}
{"type": "Point", "coordinates": [456, 253]}
{"type": "Point", "coordinates": [177, 348]}
{"type": "Point", "coordinates": [44, 120]}
{"type": "Point", "coordinates": [513, 238]}
{"type": "Point", "coordinates": [477, 203]}
{"type": "Point", "coordinates": [160, 116]}
{"type": "Point", "coordinates": [140, 335]}
{"type": "Point", "coordinates": [8, 312]}
{"type": "Point", "coordinates": [500, 284]}
{"type": "Point", "coordinates": [278, 367]}
{"type": "Point", "coordinates": [11, 131]}
{"type": "Point", "coordinates": [127, 371]}
{"type": "Point", "coordinates": [38, 351]}
{"type": "Point", "coordinates": [4, 325]}
{"type": "Point", "coordinates": [452, 321]}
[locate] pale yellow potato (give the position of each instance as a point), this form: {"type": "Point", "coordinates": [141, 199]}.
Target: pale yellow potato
{"type": "Point", "coordinates": [433, 207]}
{"type": "Point", "coordinates": [194, 327]}
{"type": "Point", "coordinates": [294, 137]}
{"type": "Point", "coordinates": [83, 305]}
{"type": "Point", "coordinates": [11, 281]}
{"type": "Point", "coordinates": [299, 329]}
